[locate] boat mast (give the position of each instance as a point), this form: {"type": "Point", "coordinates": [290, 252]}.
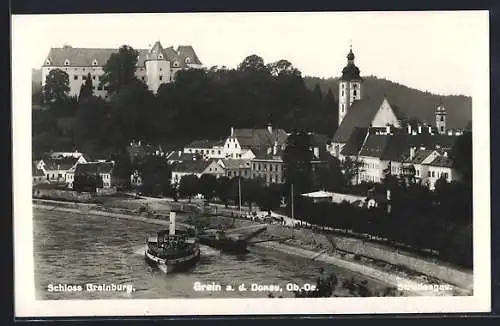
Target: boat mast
{"type": "Point", "coordinates": [291, 200]}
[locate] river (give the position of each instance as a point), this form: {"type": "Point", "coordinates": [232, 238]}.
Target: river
{"type": "Point", "coordinates": [77, 249]}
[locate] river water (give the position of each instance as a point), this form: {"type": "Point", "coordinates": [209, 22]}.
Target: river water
{"type": "Point", "coordinates": [73, 250]}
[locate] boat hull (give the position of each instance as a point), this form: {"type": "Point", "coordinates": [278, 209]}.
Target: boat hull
{"type": "Point", "coordinates": [226, 245]}
{"type": "Point", "coordinates": [173, 265]}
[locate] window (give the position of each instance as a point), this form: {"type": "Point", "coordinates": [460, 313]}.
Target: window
{"type": "Point", "coordinates": [343, 85]}
{"type": "Point", "coordinates": [76, 77]}
{"type": "Point", "coordinates": [442, 128]}
{"type": "Point", "coordinates": [429, 173]}
{"type": "Point", "coordinates": [355, 86]}
{"type": "Point", "coordinates": [441, 118]}
{"type": "Point", "coordinates": [84, 77]}
{"type": "Point", "coordinates": [47, 62]}
{"type": "Point", "coordinates": [445, 175]}
{"type": "Point", "coordinates": [93, 77]}
{"type": "Point", "coordinates": [433, 174]}
{"type": "Point", "coordinates": [228, 173]}
{"type": "Point", "coordinates": [355, 92]}
{"type": "Point", "coordinates": [342, 92]}
{"type": "Point", "coordinates": [94, 63]}
{"type": "Point", "coordinates": [219, 152]}
{"type": "Point", "coordinates": [142, 77]}
{"type": "Point", "coordinates": [66, 62]}
{"type": "Point", "coordinates": [93, 87]}
{"type": "Point", "coordinates": [176, 64]}
{"type": "Point", "coordinates": [187, 60]}
{"type": "Point", "coordinates": [160, 56]}
{"type": "Point", "coordinates": [161, 69]}
{"type": "Point", "coordinates": [161, 77]}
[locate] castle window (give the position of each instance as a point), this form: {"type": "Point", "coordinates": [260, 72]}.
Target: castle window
{"type": "Point", "coordinates": [442, 118]}
{"type": "Point", "coordinates": [442, 128]}
{"type": "Point", "coordinates": [355, 86]}
{"type": "Point", "coordinates": [161, 69]}
{"type": "Point", "coordinates": [94, 63]}
{"type": "Point", "coordinates": [188, 60]}
{"type": "Point", "coordinates": [93, 77]}
{"type": "Point", "coordinates": [76, 77]}
{"type": "Point", "coordinates": [176, 64]}
{"type": "Point", "coordinates": [342, 93]}
{"type": "Point", "coordinates": [142, 77]}
{"type": "Point", "coordinates": [355, 92]}
{"type": "Point", "coordinates": [343, 85]}
{"type": "Point", "coordinates": [161, 77]}
{"type": "Point", "coordinates": [160, 56]}
{"type": "Point", "coordinates": [66, 62]}
{"type": "Point", "coordinates": [47, 62]}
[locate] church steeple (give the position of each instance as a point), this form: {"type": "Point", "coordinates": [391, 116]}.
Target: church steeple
{"type": "Point", "coordinates": [349, 85]}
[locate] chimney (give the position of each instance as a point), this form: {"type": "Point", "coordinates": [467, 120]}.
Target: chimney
{"type": "Point", "coordinates": [270, 128]}
{"type": "Point", "coordinates": [388, 194]}
{"type": "Point", "coordinates": [179, 153]}
{"type": "Point", "coordinates": [409, 129]}
{"type": "Point", "coordinates": [412, 152]}
{"type": "Point", "coordinates": [388, 129]}
{"type": "Point", "coordinates": [172, 223]}
{"type": "Point", "coordinates": [232, 131]}
{"type": "Point", "coordinates": [419, 129]}
{"type": "Point", "coordinates": [275, 148]}
{"type": "Point", "coordinates": [430, 130]}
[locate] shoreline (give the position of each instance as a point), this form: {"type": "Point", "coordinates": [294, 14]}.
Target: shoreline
{"type": "Point", "coordinates": [404, 285]}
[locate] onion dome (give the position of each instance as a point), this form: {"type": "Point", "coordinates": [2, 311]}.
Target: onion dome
{"type": "Point", "coordinates": [350, 72]}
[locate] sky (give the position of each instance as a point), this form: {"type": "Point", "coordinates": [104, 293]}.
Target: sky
{"type": "Point", "coordinates": [430, 51]}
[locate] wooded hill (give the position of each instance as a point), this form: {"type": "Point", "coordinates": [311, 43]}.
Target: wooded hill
{"type": "Point", "coordinates": [413, 103]}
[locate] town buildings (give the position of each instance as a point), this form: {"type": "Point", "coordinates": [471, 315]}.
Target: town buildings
{"type": "Point", "coordinates": [93, 170]}
{"type": "Point", "coordinates": [372, 135]}
{"type": "Point", "coordinates": [154, 67]}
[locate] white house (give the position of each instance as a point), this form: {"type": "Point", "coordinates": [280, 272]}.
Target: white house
{"type": "Point", "coordinates": [196, 167]}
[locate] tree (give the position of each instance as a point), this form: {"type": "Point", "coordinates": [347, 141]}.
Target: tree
{"type": "Point", "coordinates": [330, 176]}
{"type": "Point", "coordinates": [253, 63]}
{"type": "Point", "coordinates": [282, 67]}
{"type": "Point", "coordinates": [461, 156]}
{"type": "Point", "coordinates": [120, 69]}
{"type": "Point", "coordinates": [86, 89]}
{"type": "Point", "coordinates": [56, 86]}
{"type": "Point", "coordinates": [189, 186]}
{"type": "Point", "coordinates": [297, 159]}
{"type": "Point", "coordinates": [224, 187]}
{"type": "Point", "coordinates": [88, 132]}
{"type": "Point", "coordinates": [351, 168]}
{"type": "Point", "coordinates": [208, 186]}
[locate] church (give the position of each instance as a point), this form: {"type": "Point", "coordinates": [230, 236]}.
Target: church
{"type": "Point", "coordinates": [371, 133]}
{"type": "Point", "coordinates": [155, 66]}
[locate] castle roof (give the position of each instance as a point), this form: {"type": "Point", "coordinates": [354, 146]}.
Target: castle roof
{"type": "Point", "coordinates": [87, 57]}
{"type": "Point", "coordinates": [187, 52]}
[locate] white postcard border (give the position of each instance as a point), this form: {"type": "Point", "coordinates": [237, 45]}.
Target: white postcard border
{"type": "Point", "coordinates": [27, 306]}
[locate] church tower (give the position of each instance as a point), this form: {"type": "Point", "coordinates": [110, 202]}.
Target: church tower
{"type": "Point", "coordinates": [349, 86]}
{"type": "Point", "coordinates": [441, 119]}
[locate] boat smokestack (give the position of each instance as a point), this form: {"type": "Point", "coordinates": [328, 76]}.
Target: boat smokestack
{"type": "Point", "coordinates": [172, 223]}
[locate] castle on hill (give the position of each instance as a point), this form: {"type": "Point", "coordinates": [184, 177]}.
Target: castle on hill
{"type": "Point", "coordinates": [155, 66]}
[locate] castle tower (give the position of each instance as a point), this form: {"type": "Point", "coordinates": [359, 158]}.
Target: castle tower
{"type": "Point", "coordinates": [441, 119]}
{"type": "Point", "coordinates": [157, 67]}
{"type": "Point", "coordinates": [349, 86]}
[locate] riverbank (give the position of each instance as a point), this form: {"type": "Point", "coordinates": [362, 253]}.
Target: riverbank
{"type": "Point", "coordinates": [301, 243]}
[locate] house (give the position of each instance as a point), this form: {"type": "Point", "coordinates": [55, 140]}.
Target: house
{"type": "Point", "coordinates": [237, 167]}
{"type": "Point", "coordinates": [155, 66]}
{"type": "Point", "coordinates": [208, 149]}
{"type": "Point", "coordinates": [196, 167]}
{"type": "Point", "coordinates": [56, 167]}
{"type": "Point", "coordinates": [431, 165]}
{"type": "Point", "coordinates": [135, 179]}
{"type": "Point", "coordinates": [268, 166]}
{"type": "Point", "coordinates": [381, 150]}
{"type": "Point", "coordinates": [103, 170]}
{"type": "Point", "coordinates": [137, 150]}
{"type": "Point", "coordinates": [243, 143]}
{"type": "Point", "coordinates": [179, 156]}
{"type": "Point", "coordinates": [37, 175]}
